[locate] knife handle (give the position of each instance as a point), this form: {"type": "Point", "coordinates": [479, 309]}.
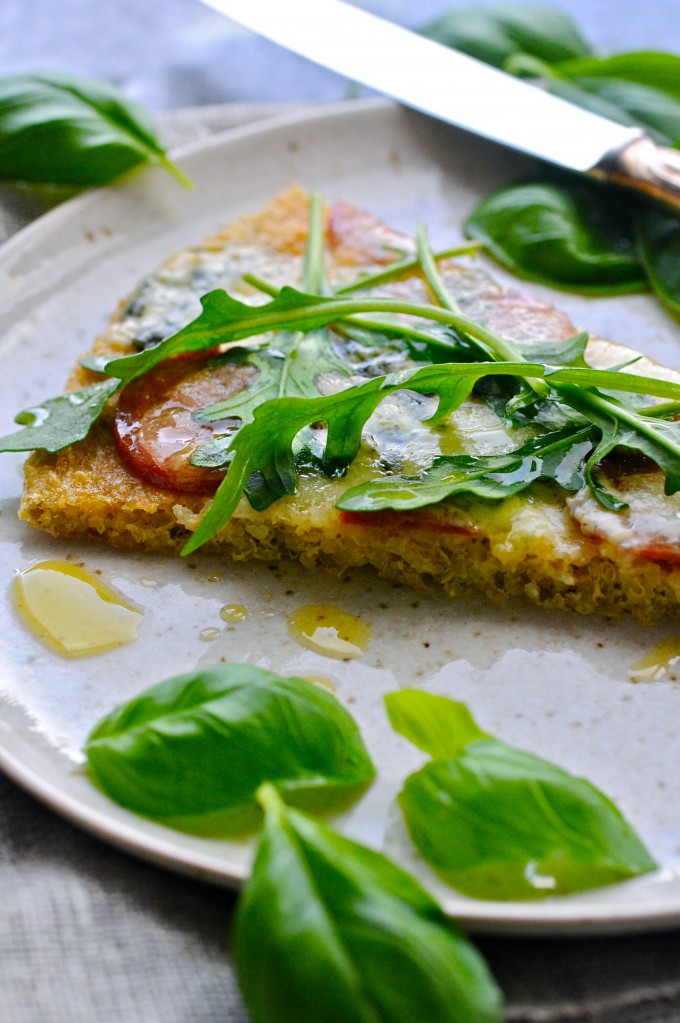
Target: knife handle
{"type": "Point", "coordinates": [645, 166]}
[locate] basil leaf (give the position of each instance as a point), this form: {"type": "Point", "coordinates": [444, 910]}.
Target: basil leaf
{"type": "Point", "coordinates": [498, 823]}
{"type": "Point", "coordinates": [658, 240]}
{"type": "Point", "coordinates": [559, 456]}
{"type": "Point", "coordinates": [559, 235]}
{"type": "Point", "coordinates": [67, 130]}
{"type": "Point", "coordinates": [439, 726]}
{"type": "Point", "coordinates": [625, 102]}
{"type": "Point", "coordinates": [493, 34]}
{"type": "Point", "coordinates": [191, 751]}
{"type": "Point", "coordinates": [638, 105]}
{"type": "Point", "coordinates": [656, 70]}
{"type": "Point", "coordinates": [327, 928]}
{"type": "Point", "coordinates": [60, 421]}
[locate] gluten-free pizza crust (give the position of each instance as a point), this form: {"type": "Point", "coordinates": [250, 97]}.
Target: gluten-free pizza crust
{"type": "Point", "coordinates": [541, 545]}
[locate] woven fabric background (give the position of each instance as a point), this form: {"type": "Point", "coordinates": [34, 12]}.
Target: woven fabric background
{"type": "Point", "coordinates": [91, 935]}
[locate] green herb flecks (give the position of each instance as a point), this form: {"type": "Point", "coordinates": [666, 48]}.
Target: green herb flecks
{"type": "Point", "coordinates": [498, 823]}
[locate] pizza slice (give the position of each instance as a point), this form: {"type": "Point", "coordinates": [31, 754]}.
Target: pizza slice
{"type": "Point", "coordinates": [391, 409]}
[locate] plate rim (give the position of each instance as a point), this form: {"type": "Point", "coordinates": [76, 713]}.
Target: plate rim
{"type": "Point", "coordinates": [560, 917]}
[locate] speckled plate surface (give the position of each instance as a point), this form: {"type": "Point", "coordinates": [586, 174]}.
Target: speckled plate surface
{"type": "Point", "coordinates": [554, 684]}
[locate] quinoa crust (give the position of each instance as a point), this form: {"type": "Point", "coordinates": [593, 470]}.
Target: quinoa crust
{"type": "Point", "coordinates": [528, 547]}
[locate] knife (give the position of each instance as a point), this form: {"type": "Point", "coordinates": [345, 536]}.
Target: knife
{"type": "Point", "coordinates": [463, 91]}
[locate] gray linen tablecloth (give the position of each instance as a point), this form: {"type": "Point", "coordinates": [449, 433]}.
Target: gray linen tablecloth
{"type": "Point", "coordinates": [91, 935]}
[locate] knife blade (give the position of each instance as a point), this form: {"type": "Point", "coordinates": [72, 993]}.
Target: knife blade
{"type": "Point", "coordinates": [460, 90]}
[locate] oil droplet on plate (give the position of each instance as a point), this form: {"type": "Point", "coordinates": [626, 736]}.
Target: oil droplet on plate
{"type": "Point", "coordinates": [209, 635]}
{"type": "Point", "coordinates": [657, 662]}
{"type": "Point", "coordinates": [330, 631]}
{"type": "Point", "coordinates": [233, 613]}
{"type": "Point", "coordinates": [72, 611]}
{"type": "Point", "coordinates": [322, 682]}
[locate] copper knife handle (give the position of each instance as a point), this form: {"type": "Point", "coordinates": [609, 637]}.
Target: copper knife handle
{"type": "Point", "coordinates": [645, 166]}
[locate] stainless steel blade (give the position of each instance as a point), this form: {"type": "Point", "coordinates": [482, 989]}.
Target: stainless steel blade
{"type": "Point", "coordinates": [433, 78]}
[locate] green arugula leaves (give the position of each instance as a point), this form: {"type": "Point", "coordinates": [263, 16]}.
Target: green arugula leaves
{"type": "Point", "coordinates": [191, 751]}
{"type": "Point", "coordinates": [328, 928]}
{"type": "Point", "coordinates": [567, 233]}
{"type": "Point", "coordinates": [498, 823]}
{"type": "Point", "coordinates": [67, 130]}
{"type": "Point", "coordinates": [61, 421]}
{"type": "Point", "coordinates": [560, 456]}
{"type": "Point", "coordinates": [577, 414]}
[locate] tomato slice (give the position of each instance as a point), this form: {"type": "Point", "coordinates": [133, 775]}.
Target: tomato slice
{"type": "Point", "coordinates": [154, 431]}
{"type": "Point", "coordinates": [360, 237]}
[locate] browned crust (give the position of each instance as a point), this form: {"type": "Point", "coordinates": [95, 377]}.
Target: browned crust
{"type": "Point", "coordinates": [85, 492]}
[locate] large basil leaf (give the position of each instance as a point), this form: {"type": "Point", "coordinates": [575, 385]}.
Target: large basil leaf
{"type": "Point", "coordinates": [68, 130]}
{"type": "Point", "coordinates": [561, 235]}
{"type": "Point", "coordinates": [191, 751]}
{"type": "Point", "coordinates": [498, 823]}
{"type": "Point", "coordinates": [328, 929]}
{"type": "Point", "coordinates": [658, 238]}
{"type": "Point", "coordinates": [494, 34]}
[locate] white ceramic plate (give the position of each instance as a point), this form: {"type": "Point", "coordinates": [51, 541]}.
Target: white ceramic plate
{"type": "Point", "coordinates": [553, 684]}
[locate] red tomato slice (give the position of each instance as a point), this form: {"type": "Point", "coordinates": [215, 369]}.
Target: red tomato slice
{"type": "Point", "coordinates": [154, 431]}
{"type": "Point", "coordinates": [360, 237]}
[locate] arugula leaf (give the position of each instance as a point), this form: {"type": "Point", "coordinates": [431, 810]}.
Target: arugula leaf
{"type": "Point", "coordinates": [264, 448]}
{"type": "Point", "coordinates": [191, 751]}
{"type": "Point", "coordinates": [326, 922]}
{"type": "Point", "coordinates": [559, 235]}
{"type": "Point", "coordinates": [293, 367]}
{"type": "Point", "coordinates": [68, 130]}
{"type": "Point", "coordinates": [225, 320]}
{"type": "Point", "coordinates": [559, 457]}
{"type": "Point", "coordinates": [629, 428]}
{"type": "Point", "coordinates": [498, 823]}
{"type": "Point", "coordinates": [561, 352]}
{"type": "Point", "coordinates": [493, 34]}
{"type": "Point", "coordinates": [60, 421]}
